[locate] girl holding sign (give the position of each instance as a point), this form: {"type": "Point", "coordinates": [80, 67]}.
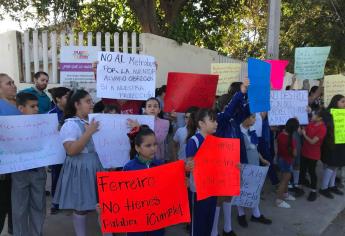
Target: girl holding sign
{"type": "Point", "coordinates": [202, 211]}
{"type": "Point", "coordinates": [76, 188]}
{"type": "Point", "coordinates": [332, 155]}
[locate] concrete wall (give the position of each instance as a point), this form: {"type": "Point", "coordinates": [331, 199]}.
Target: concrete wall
{"type": "Point", "coordinates": [10, 55]}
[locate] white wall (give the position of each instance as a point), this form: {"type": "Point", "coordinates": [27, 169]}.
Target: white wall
{"type": "Point", "coordinates": [9, 62]}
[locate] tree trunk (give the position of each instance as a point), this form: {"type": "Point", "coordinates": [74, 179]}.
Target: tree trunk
{"type": "Point", "coordinates": [171, 9]}
{"type": "Point", "coordinates": [145, 11]}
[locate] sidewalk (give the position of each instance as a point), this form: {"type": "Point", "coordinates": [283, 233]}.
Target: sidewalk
{"type": "Point", "coordinates": [303, 219]}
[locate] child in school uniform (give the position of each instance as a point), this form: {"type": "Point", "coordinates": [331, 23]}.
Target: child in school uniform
{"type": "Point", "coordinates": [28, 186]}
{"type": "Point", "coordinates": [76, 188]}
{"type": "Point", "coordinates": [59, 96]}
{"type": "Point", "coordinates": [180, 137]}
{"type": "Point", "coordinates": [314, 135]}
{"type": "Point", "coordinates": [287, 152]}
{"type": "Point", "coordinates": [202, 211]}
{"type": "Point", "coordinates": [143, 150]}
{"type": "Point", "coordinates": [254, 158]}
{"type": "Point", "coordinates": [152, 107]}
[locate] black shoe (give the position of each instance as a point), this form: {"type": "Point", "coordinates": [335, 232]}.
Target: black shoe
{"type": "Point", "coordinates": [298, 192]}
{"type": "Point", "coordinates": [335, 190]}
{"type": "Point", "coordinates": [326, 193]}
{"type": "Point", "coordinates": [47, 193]}
{"type": "Point", "coordinates": [262, 219]}
{"type": "Point", "coordinates": [242, 221]}
{"type": "Point", "coordinates": [10, 231]}
{"type": "Point", "coordinates": [54, 210]}
{"type": "Point", "coordinates": [231, 233]}
{"type": "Point", "coordinates": [312, 196]}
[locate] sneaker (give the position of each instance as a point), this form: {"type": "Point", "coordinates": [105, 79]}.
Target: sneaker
{"type": "Point", "coordinates": [336, 191]}
{"type": "Point", "coordinates": [242, 221]}
{"type": "Point", "coordinates": [262, 219]}
{"type": "Point", "coordinates": [231, 233]}
{"type": "Point", "coordinates": [54, 210]}
{"type": "Point", "coordinates": [298, 192]}
{"type": "Point", "coordinates": [312, 196]}
{"type": "Point", "coordinates": [326, 193]}
{"type": "Point", "coordinates": [282, 204]}
{"type": "Point", "coordinates": [289, 197]}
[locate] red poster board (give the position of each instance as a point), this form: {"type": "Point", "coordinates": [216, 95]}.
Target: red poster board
{"type": "Point", "coordinates": [186, 89]}
{"type": "Point", "coordinates": [143, 200]}
{"type": "Point", "coordinates": [216, 171]}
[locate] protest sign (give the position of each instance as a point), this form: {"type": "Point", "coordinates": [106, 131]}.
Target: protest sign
{"type": "Point", "coordinates": [277, 73]}
{"type": "Point", "coordinates": [76, 68]}
{"type": "Point", "coordinates": [125, 76]}
{"type": "Point", "coordinates": [185, 90]}
{"type": "Point", "coordinates": [339, 125]}
{"type": "Point", "coordinates": [252, 179]}
{"type": "Point", "coordinates": [143, 200]}
{"type": "Point", "coordinates": [216, 171]}
{"type": "Point", "coordinates": [29, 141]}
{"type": "Point", "coordinates": [310, 62]}
{"type": "Point", "coordinates": [111, 140]}
{"type": "Point", "coordinates": [288, 104]}
{"type": "Point", "coordinates": [259, 88]}
{"type": "Point", "coordinates": [228, 73]}
{"type": "Point", "coordinates": [333, 85]}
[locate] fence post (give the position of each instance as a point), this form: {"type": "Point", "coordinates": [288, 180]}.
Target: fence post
{"type": "Point", "coordinates": [80, 38]}
{"type": "Point", "coordinates": [54, 57]}
{"type": "Point", "coordinates": [89, 39]}
{"type": "Point", "coordinates": [27, 57]}
{"type": "Point", "coordinates": [125, 42]}
{"type": "Point", "coordinates": [134, 43]}
{"type": "Point", "coordinates": [45, 51]}
{"type": "Point", "coordinates": [35, 49]}
{"type": "Point", "coordinates": [116, 42]}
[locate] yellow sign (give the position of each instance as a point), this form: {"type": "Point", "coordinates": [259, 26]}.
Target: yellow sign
{"type": "Point", "coordinates": [339, 125]}
{"type": "Point", "coordinates": [228, 73]}
{"type": "Point", "coordinates": [334, 84]}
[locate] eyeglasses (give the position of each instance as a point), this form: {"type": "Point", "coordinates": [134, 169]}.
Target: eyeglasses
{"type": "Point", "coordinates": [186, 117]}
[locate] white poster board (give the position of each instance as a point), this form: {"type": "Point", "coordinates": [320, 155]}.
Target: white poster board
{"type": "Point", "coordinates": [252, 179]}
{"type": "Point", "coordinates": [29, 141]}
{"type": "Point", "coordinates": [286, 105]}
{"type": "Point", "coordinates": [125, 76]}
{"type": "Point", "coordinates": [76, 68]}
{"type": "Point", "coordinates": [111, 140]}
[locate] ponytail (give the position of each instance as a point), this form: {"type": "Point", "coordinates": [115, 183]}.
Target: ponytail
{"type": "Point", "coordinates": [136, 137]}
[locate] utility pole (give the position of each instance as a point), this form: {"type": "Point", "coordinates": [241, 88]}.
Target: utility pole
{"type": "Point", "coordinates": [273, 29]}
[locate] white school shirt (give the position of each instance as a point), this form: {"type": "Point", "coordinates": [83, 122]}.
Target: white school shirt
{"type": "Point", "coordinates": [180, 137]}
{"type": "Point", "coordinates": [70, 131]}
{"type": "Point", "coordinates": [258, 125]}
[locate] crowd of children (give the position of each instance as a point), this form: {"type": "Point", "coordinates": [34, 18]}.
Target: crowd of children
{"type": "Point", "coordinates": [295, 150]}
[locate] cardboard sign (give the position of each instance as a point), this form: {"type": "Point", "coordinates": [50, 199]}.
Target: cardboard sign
{"type": "Point", "coordinates": [29, 141]}
{"type": "Point", "coordinates": [339, 125]}
{"type": "Point", "coordinates": [310, 62]}
{"type": "Point", "coordinates": [111, 140]}
{"type": "Point", "coordinates": [333, 84]}
{"type": "Point", "coordinates": [216, 170]}
{"type": "Point", "coordinates": [143, 200]}
{"type": "Point", "coordinates": [277, 73]}
{"type": "Point", "coordinates": [288, 104]}
{"type": "Point", "coordinates": [259, 73]}
{"type": "Point", "coordinates": [125, 76]}
{"type": "Point", "coordinates": [252, 179]}
{"type": "Point", "coordinates": [228, 73]}
{"type": "Point", "coordinates": [185, 90]}
{"type": "Point", "coordinates": [76, 68]}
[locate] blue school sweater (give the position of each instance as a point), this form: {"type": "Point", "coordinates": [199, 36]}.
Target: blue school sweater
{"type": "Point", "coordinates": [44, 102]}
{"type": "Point", "coordinates": [137, 164]}
{"type": "Point", "coordinates": [230, 120]}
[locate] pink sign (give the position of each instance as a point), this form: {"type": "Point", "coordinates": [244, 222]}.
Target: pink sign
{"type": "Point", "coordinates": [277, 73]}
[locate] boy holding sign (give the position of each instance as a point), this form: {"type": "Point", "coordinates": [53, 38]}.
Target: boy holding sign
{"type": "Point", "coordinates": [28, 186]}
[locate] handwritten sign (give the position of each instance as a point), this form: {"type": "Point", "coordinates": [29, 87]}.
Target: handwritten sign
{"type": "Point", "coordinates": [259, 88]}
{"type": "Point", "coordinates": [29, 141]}
{"type": "Point", "coordinates": [310, 62]}
{"type": "Point", "coordinates": [252, 179]}
{"type": "Point", "coordinates": [185, 90]}
{"type": "Point", "coordinates": [339, 125]}
{"type": "Point", "coordinates": [334, 84]}
{"type": "Point", "coordinates": [277, 73]}
{"type": "Point", "coordinates": [216, 172]}
{"type": "Point", "coordinates": [143, 200]}
{"type": "Point", "coordinates": [125, 76]}
{"type": "Point", "coordinates": [228, 73]}
{"type": "Point", "coordinates": [111, 141]}
{"type": "Point", "coordinates": [288, 104]}
{"type": "Point", "coordinates": [76, 67]}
